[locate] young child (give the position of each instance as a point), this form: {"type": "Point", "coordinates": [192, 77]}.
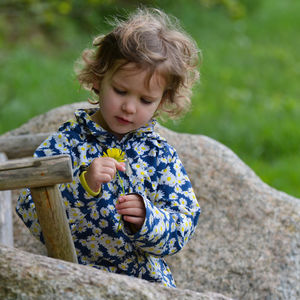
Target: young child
{"type": "Point", "coordinates": [131, 202]}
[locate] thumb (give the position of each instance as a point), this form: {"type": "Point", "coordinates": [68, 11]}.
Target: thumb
{"type": "Point", "coordinates": [120, 166]}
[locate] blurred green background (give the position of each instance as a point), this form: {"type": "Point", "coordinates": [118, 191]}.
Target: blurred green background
{"type": "Point", "coordinates": [248, 98]}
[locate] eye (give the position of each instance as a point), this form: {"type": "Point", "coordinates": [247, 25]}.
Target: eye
{"type": "Point", "coordinates": [145, 101]}
{"type": "Point", "coordinates": [118, 91]}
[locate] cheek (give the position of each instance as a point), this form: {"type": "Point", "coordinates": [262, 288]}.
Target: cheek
{"type": "Point", "coordinates": [108, 102]}
{"type": "Point", "coordinates": [149, 112]}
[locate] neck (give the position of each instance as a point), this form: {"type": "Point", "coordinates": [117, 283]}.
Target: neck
{"type": "Point", "coordinates": [98, 119]}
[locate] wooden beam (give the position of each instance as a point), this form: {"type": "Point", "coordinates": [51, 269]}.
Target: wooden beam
{"type": "Point", "coordinates": [6, 223]}
{"type": "Point", "coordinates": [42, 176]}
{"type": "Point", "coordinates": [21, 145]}
{"type": "Point", "coordinates": [35, 172]}
{"type": "Point", "coordinates": [53, 220]}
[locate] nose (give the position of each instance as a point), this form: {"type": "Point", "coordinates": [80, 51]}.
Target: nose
{"type": "Point", "coordinates": [128, 106]}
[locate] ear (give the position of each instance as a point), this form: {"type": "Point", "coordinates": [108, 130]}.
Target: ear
{"type": "Point", "coordinates": [95, 87]}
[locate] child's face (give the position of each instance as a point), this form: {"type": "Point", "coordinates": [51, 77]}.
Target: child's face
{"type": "Point", "coordinates": [127, 102]}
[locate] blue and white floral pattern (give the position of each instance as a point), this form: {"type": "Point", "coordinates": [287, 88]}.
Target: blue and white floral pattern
{"type": "Point", "coordinates": [158, 175]}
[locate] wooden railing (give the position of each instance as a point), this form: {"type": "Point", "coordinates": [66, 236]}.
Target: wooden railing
{"type": "Point", "coordinates": [42, 176]}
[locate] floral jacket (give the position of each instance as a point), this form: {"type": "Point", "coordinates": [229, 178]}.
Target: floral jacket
{"type": "Point", "coordinates": [158, 175]}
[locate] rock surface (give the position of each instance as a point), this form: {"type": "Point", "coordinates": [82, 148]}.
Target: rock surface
{"type": "Point", "coordinates": [28, 277]}
{"type": "Point", "coordinates": [247, 243]}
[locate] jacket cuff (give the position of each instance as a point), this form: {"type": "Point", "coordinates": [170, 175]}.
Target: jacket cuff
{"type": "Point", "coordinates": [86, 186]}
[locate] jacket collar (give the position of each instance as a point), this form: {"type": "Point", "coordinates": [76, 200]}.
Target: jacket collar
{"type": "Point", "coordinates": [83, 117]}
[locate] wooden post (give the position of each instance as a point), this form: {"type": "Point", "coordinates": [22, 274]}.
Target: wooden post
{"type": "Point", "coordinates": [53, 220]}
{"type": "Point", "coordinates": [6, 223]}
{"type": "Point", "coordinates": [42, 175]}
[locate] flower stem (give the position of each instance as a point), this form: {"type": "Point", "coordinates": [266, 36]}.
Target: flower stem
{"type": "Point", "coordinates": [121, 182]}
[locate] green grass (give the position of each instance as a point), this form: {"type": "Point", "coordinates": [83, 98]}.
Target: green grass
{"type": "Point", "coordinates": [248, 98]}
{"type": "Point", "coordinates": [32, 83]}
{"type": "Point", "coordinates": [249, 95]}
{"type": "Point", "coordinates": [282, 172]}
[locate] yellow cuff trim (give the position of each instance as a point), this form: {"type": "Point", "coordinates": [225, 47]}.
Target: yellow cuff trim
{"type": "Point", "coordinates": [86, 187]}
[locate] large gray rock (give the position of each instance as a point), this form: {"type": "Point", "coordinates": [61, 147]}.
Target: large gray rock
{"type": "Point", "coordinates": [50, 120]}
{"type": "Point", "coordinates": [28, 277]}
{"type": "Point", "coordinates": [247, 243]}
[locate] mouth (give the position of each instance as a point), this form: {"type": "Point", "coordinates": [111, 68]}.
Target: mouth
{"type": "Point", "coordinates": [123, 121]}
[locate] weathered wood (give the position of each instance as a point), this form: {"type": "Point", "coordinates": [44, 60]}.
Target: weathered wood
{"type": "Point", "coordinates": [42, 175]}
{"type": "Point", "coordinates": [35, 172]}
{"type": "Point", "coordinates": [53, 220]}
{"type": "Point", "coordinates": [21, 145]}
{"type": "Point", "coordinates": [6, 223]}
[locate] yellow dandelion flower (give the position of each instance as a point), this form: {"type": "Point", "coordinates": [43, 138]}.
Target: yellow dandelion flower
{"type": "Point", "coordinates": [115, 153]}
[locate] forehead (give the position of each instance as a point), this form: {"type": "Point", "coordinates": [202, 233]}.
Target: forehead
{"type": "Point", "coordinates": [152, 78]}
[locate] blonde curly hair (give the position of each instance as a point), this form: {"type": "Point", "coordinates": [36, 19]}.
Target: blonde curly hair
{"type": "Point", "coordinates": [154, 41]}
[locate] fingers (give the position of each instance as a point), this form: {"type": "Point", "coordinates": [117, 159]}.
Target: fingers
{"type": "Point", "coordinates": [101, 170]}
{"type": "Point", "coordinates": [132, 208]}
{"type": "Point", "coordinates": [106, 174]}
{"type": "Point", "coordinates": [135, 220]}
{"type": "Point", "coordinates": [109, 168]}
{"type": "Point", "coordinates": [120, 166]}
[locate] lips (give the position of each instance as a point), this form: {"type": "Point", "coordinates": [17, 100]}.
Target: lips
{"type": "Point", "coordinates": [123, 121]}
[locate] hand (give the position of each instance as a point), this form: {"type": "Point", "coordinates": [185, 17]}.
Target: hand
{"type": "Point", "coordinates": [133, 210]}
{"type": "Point", "coordinates": [102, 170]}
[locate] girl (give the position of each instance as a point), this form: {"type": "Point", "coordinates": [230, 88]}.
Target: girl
{"type": "Point", "coordinates": [125, 217]}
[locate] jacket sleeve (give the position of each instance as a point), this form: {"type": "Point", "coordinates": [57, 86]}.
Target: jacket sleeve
{"type": "Point", "coordinates": [172, 212]}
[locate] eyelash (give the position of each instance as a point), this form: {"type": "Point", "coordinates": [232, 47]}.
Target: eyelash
{"type": "Point", "coordinates": [119, 92]}
{"type": "Point", "coordinates": [145, 101]}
